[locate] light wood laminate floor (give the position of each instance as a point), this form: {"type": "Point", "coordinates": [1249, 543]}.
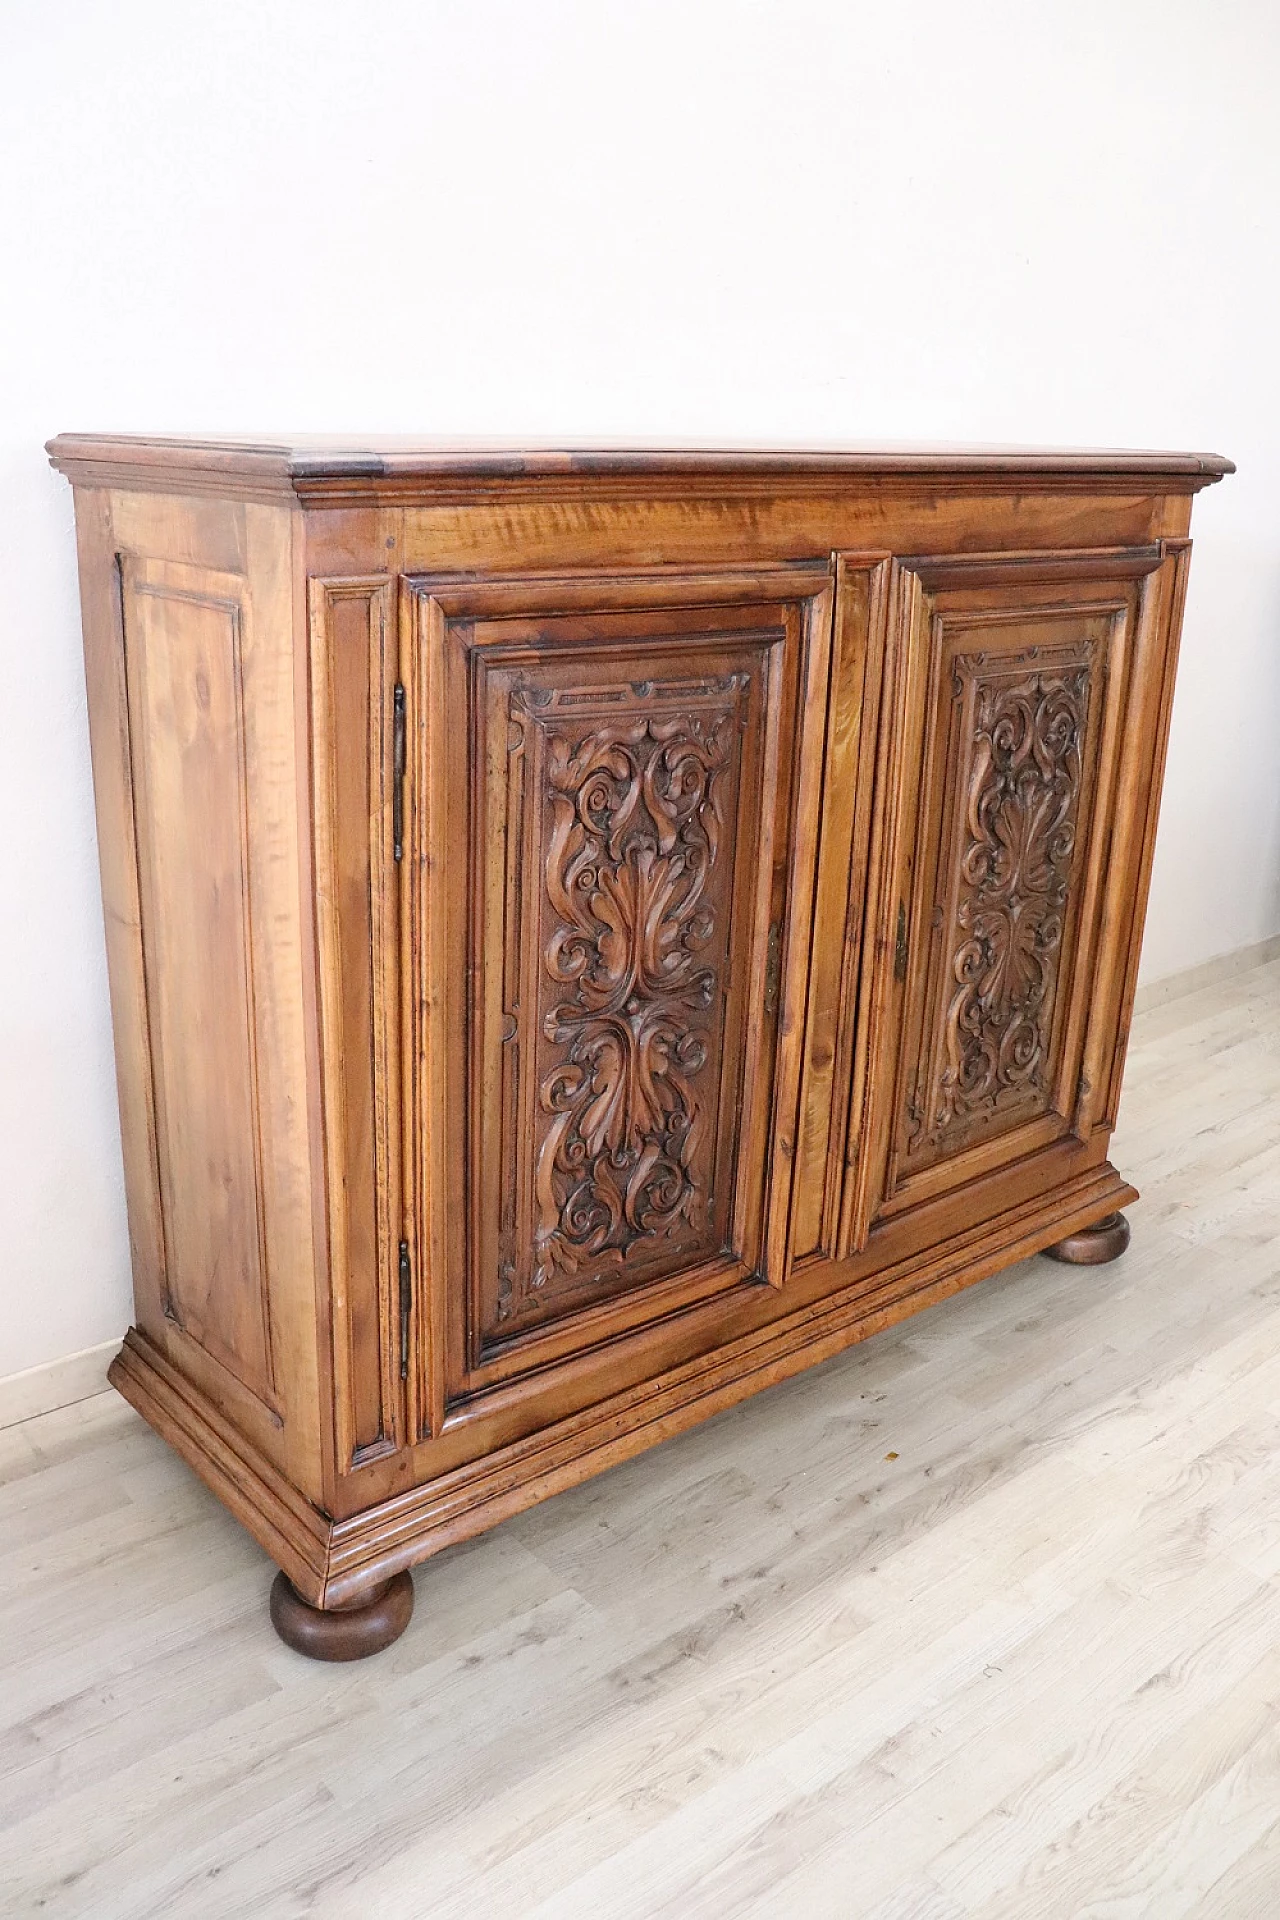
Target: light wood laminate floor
{"type": "Point", "coordinates": [980, 1620]}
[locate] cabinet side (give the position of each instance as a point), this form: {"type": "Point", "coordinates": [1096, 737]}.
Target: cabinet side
{"type": "Point", "coordinates": [1142, 783]}
{"type": "Point", "coordinates": [191, 666]}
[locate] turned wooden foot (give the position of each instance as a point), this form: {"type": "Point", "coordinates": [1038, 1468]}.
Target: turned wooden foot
{"type": "Point", "coordinates": [342, 1633]}
{"type": "Point", "coordinates": [1105, 1240]}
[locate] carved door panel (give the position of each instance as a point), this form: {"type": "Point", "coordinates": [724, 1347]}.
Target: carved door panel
{"type": "Point", "coordinates": [1006, 689]}
{"type": "Point", "coordinates": [620, 784]}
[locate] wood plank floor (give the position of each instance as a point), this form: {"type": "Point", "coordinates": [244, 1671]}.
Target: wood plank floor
{"type": "Point", "coordinates": [980, 1620]}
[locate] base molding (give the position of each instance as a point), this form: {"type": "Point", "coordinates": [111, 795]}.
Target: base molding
{"type": "Point", "coordinates": [338, 1564]}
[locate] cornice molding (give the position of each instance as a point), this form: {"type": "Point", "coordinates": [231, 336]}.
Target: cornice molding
{"type": "Point", "coordinates": [338, 475]}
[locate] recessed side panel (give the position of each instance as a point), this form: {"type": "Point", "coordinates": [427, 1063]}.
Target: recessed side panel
{"type": "Point", "coordinates": [353, 669]}
{"type": "Point", "coordinates": [185, 649]}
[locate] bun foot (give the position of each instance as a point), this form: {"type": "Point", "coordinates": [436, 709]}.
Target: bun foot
{"type": "Point", "coordinates": [1105, 1240]}
{"type": "Point", "coordinates": [342, 1633]}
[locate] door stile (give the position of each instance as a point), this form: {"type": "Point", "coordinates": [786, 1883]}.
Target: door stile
{"type": "Point", "coordinates": [360, 925]}
{"type": "Point", "coordinates": [429, 1111]}
{"type": "Point", "coordinates": [797, 861]}
{"type": "Point", "coordinates": [883, 971]}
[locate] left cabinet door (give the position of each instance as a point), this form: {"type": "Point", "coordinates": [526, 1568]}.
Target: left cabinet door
{"type": "Point", "coordinates": [617, 788]}
{"type": "Point", "coordinates": [354, 674]}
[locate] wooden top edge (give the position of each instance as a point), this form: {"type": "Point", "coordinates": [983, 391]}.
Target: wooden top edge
{"type": "Point", "coordinates": [298, 465]}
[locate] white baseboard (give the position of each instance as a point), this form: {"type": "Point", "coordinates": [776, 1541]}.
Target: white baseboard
{"type": "Point", "coordinates": [1210, 973]}
{"type": "Point", "coordinates": [59, 1383]}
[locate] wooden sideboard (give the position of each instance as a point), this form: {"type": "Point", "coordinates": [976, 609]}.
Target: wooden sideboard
{"type": "Point", "coordinates": [592, 933]}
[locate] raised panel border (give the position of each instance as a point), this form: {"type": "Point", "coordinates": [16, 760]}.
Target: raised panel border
{"type": "Point", "coordinates": [903, 1184]}
{"type": "Point", "coordinates": [669, 662]}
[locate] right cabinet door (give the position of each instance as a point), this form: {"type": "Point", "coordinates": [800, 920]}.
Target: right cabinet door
{"type": "Point", "coordinates": [1022, 711]}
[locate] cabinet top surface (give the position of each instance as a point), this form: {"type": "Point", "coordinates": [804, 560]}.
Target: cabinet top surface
{"type": "Point", "coordinates": [316, 466]}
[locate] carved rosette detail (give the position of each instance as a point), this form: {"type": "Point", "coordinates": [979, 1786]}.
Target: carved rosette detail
{"type": "Point", "coordinates": [1015, 862]}
{"type": "Point", "coordinates": [636, 826]}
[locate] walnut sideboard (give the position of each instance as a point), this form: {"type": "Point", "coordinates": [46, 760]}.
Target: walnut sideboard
{"type": "Point", "coordinates": [592, 933]}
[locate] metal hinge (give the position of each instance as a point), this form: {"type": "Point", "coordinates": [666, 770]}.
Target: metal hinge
{"type": "Point", "coordinates": [773, 969]}
{"type": "Point", "coordinates": [900, 944]}
{"type": "Point", "coordinates": [406, 1303]}
{"type": "Point", "coordinates": [397, 758]}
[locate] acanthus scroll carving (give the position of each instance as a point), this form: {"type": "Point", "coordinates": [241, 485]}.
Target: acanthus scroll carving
{"type": "Point", "coordinates": [1015, 857]}
{"type": "Point", "coordinates": [632, 949]}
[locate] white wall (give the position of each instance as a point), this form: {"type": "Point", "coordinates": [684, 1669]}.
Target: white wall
{"type": "Point", "coordinates": [1038, 220]}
